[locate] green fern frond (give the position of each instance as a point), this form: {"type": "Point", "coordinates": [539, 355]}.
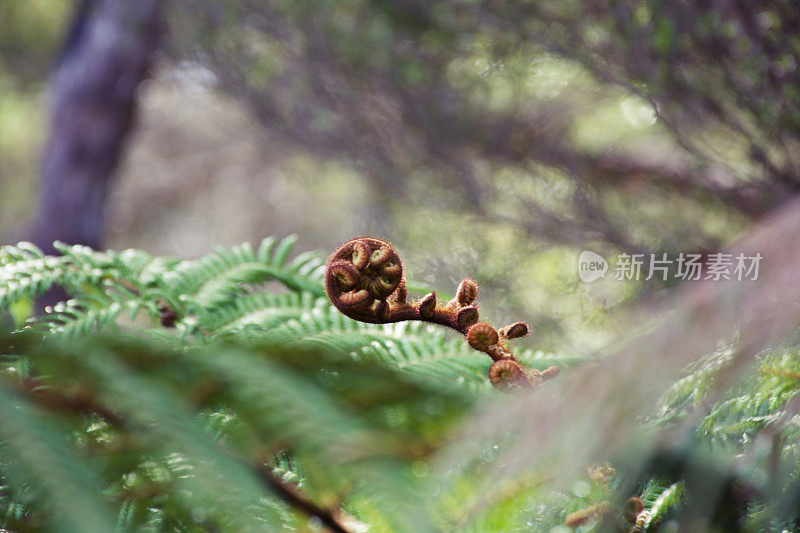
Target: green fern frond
{"type": "Point", "coordinates": [215, 277]}
{"type": "Point", "coordinates": [165, 425]}
{"type": "Point", "coordinates": [37, 454]}
{"type": "Point", "coordinates": [659, 502]}
{"type": "Point", "coordinates": [278, 399]}
{"type": "Point", "coordinates": [26, 273]}
{"type": "Point", "coordinates": [260, 309]}
{"type": "Point", "coordinates": [242, 370]}
{"type": "Point", "coordinates": [755, 402]}
{"type": "Point", "coordinates": [79, 317]}
{"type": "Point", "coordinates": [736, 420]}
{"type": "Point", "coordinates": [171, 390]}
{"type": "Point", "coordinates": [690, 390]}
{"type": "Point", "coordinates": [13, 509]}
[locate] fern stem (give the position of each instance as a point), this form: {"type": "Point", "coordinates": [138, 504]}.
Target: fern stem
{"type": "Point", "coordinates": [331, 518]}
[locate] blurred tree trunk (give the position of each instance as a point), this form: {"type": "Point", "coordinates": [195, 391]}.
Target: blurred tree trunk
{"type": "Point", "coordinates": [105, 57]}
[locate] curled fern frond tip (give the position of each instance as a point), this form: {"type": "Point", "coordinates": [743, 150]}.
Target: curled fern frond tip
{"type": "Point", "coordinates": [361, 275]}
{"type": "Point", "coordinates": [507, 374]}
{"type": "Point", "coordinates": [467, 291]}
{"type": "Point", "coordinates": [481, 335]}
{"type": "Point", "coordinates": [364, 280]}
{"type": "Point", "coordinates": [633, 507]}
{"type": "Point", "coordinates": [427, 306]}
{"type": "Point", "coordinates": [516, 330]}
{"type": "Point", "coordinates": [550, 372]}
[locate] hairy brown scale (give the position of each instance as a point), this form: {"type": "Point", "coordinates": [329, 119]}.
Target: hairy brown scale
{"type": "Point", "coordinates": [364, 279]}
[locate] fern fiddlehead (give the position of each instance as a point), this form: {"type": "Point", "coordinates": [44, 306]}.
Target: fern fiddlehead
{"type": "Point", "coordinates": [364, 280]}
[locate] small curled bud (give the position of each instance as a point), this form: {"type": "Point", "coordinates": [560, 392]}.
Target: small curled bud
{"type": "Point", "coordinates": [578, 518]}
{"type": "Point", "coordinates": [481, 335]}
{"type": "Point", "coordinates": [380, 256]}
{"type": "Point", "coordinates": [380, 287]}
{"type": "Point", "coordinates": [400, 295]}
{"type": "Point", "coordinates": [354, 298]}
{"type": "Point", "coordinates": [360, 255]}
{"type": "Point", "coordinates": [345, 273]}
{"type": "Point", "coordinates": [427, 305]}
{"type": "Point", "coordinates": [467, 316]}
{"type": "Point", "coordinates": [467, 292]}
{"type": "Point", "coordinates": [505, 373]}
{"type": "Point", "coordinates": [168, 315]}
{"type": "Point", "coordinates": [550, 372]}
{"type": "Point", "coordinates": [392, 271]}
{"type": "Point", "coordinates": [633, 507]}
{"type": "Point", "coordinates": [516, 330]}
{"type": "Point", "coordinates": [601, 474]}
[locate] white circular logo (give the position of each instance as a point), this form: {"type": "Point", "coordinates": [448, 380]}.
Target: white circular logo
{"type": "Point", "coordinates": [591, 266]}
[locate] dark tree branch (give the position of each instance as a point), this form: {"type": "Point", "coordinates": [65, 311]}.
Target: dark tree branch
{"type": "Point", "coordinates": [54, 399]}
{"type": "Point", "coordinates": [389, 125]}
{"type": "Point", "coordinates": [80, 402]}
{"type": "Point", "coordinates": [331, 518]}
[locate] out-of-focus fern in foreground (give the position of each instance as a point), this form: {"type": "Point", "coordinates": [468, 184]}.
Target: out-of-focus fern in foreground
{"type": "Point", "coordinates": [203, 393]}
{"type": "Point", "coordinates": [227, 394]}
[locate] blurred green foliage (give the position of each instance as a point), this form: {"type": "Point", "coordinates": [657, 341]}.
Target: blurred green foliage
{"type": "Point", "coordinates": [30, 37]}
{"type": "Point", "coordinates": [177, 395]}
{"type": "Point", "coordinates": [486, 139]}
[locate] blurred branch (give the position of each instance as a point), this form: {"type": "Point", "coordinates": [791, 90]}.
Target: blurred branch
{"type": "Point", "coordinates": [330, 518]}
{"type": "Point", "coordinates": [82, 402]}
{"type": "Point", "coordinates": [79, 402]}
{"type": "Point", "coordinates": [752, 199]}
{"type": "Point", "coordinates": [383, 95]}
{"type": "Point", "coordinates": [608, 399]}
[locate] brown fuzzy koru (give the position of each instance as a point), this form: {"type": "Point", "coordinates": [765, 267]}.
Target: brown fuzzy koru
{"type": "Point", "coordinates": [364, 279]}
